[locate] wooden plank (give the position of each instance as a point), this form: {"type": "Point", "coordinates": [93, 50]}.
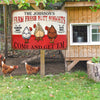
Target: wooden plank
{"type": "Point", "coordinates": [78, 58]}
{"type": "Point", "coordinates": [79, 4]}
{"type": "Point", "coordinates": [42, 62]}
{"type": "Point", "coordinates": [89, 13]}
{"type": "Point", "coordinates": [76, 20]}
{"type": "Point", "coordinates": [84, 16]}
{"type": "Point", "coordinates": [35, 7]}
{"type": "Point", "coordinates": [93, 18]}
{"type": "Point", "coordinates": [98, 15]}
{"type": "Point", "coordinates": [81, 51]}
{"type": "Point", "coordinates": [72, 65]}
{"type": "Point", "coordinates": [80, 20]}
{"type": "Point", "coordinates": [66, 65]}
{"type": "Point", "coordinates": [97, 51]}
{"type": "Point", "coordinates": [93, 51]}
{"type": "Point", "coordinates": [32, 58]}
{"type": "Point", "coordinates": [11, 2]}
{"type": "Point", "coordinates": [5, 28]}
{"type": "Point", "coordinates": [89, 50]}
{"type": "Point", "coordinates": [72, 19]}
{"type": "Point", "coordinates": [80, 15]}
{"type": "Point", "coordinates": [85, 51]}
{"type": "Point", "coordinates": [68, 32]}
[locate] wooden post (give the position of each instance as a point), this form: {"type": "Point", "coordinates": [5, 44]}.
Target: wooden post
{"type": "Point", "coordinates": [42, 62]}
{"type": "Point", "coordinates": [42, 52]}
{"type": "Point", "coordinates": [5, 28]}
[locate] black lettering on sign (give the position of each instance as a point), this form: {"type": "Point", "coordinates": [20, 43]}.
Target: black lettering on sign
{"type": "Point", "coordinates": [28, 13]}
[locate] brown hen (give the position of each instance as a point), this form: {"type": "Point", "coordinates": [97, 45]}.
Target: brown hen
{"type": "Point", "coordinates": [7, 69]}
{"type": "Point", "coordinates": [31, 69]}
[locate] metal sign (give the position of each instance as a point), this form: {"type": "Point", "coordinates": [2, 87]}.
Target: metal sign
{"type": "Point", "coordinates": [39, 29]}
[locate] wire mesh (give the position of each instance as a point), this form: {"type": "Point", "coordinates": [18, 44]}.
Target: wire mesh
{"type": "Point", "coordinates": [54, 61]}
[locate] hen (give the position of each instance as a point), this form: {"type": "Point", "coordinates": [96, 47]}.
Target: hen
{"type": "Point", "coordinates": [6, 69]}
{"type": "Point", "coordinates": [2, 59]}
{"type": "Point", "coordinates": [30, 69]}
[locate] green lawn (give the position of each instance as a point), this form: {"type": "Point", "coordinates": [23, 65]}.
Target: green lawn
{"type": "Point", "coordinates": [68, 86]}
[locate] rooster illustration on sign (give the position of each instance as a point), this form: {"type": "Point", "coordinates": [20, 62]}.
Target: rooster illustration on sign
{"type": "Point", "coordinates": [26, 34]}
{"type": "Point", "coordinates": [51, 33]}
{"type": "Point", "coordinates": [39, 32]}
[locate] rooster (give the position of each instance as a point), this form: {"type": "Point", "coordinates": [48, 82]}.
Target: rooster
{"type": "Point", "coordinates": [6, 69]}
{"type": "Point", "coordinates": [30, 69]}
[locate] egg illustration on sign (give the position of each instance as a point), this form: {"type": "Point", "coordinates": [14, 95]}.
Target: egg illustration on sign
{"type": "Point", "coordinates": [39, 32]}
{"type": "Point", "coordinates": [26, 34]}
{"type": "Point", "coordinates": [51, 33]}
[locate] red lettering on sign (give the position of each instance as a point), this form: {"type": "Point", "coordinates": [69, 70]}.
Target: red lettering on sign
{"type": "Point", "coordinates": [59, 19]}
{"type": "Point", "coordinates": [30, 18]}
{"type": "Point", "coordinates": [18, 19]}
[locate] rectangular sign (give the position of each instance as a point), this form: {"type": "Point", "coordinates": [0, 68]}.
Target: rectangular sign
{"type": "Point", "coordinates": [44, 29]}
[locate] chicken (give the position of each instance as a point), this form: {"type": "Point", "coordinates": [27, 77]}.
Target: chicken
{"type": "Point", "coordinates": [6, 69]}
{"type": "Point", "coordinates": [26, 34]}
{"type": "Point", "coordinates": [51, 33]}
{"type": "Point", "coordinates": [2, 59]}
{"type": "Point", "coordinates": [39, 32]}
{"type": "Point", "coordinates": [30, 69]}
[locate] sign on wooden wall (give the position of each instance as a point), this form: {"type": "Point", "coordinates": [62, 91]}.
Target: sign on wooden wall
{"type": "Point", "coordinates": [39, 29]}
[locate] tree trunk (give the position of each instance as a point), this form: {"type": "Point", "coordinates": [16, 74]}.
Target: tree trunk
{"type": "Point", "coordinates": [93, 70]}
{"type": "Point", "coordinates": [5, 28]}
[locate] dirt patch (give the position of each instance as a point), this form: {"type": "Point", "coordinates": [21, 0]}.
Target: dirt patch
{"type": "Point", "coordinates": [54, 62]}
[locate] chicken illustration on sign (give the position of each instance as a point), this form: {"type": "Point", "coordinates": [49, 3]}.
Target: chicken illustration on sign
{"type": "Point", "coordinates": [52, 33]}
{"type": "Point", "coordinates": [26, 34]}
{"type": "Point", "coordinates": [39, 32]}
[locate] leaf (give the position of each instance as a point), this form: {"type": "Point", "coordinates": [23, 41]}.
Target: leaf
{"type": "Point", "coordinates": [93, 60]}
{"type": "Point", "coordinates": [20, 5]}
{"type": "Point", "coordinates": [24, 7]}
{"type": "Point", "coordinates": [6, 1]}
{"type": "Point", "coordinates": [26, 1]}
{"type": "Point", "coordinates": [37, 3]}
{"type": "Point", "coordinates": [27, 4]}
{"type": "Point", "coordinates": [14, 2]}
{"type": "Point", "coordinates": [51, 95]}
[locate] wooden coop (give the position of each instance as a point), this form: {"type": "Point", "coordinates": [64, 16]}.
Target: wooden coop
{"type": "Point", "coordinates": [83, 33]}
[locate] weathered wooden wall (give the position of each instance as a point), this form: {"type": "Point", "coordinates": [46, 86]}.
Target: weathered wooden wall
{"type": "Point", "coordinates": [81, 15]}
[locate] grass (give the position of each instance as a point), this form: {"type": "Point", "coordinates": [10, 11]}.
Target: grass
{"type": "Point", "coordinates": [68, 86]}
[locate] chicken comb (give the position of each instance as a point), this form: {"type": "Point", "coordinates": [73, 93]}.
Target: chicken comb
{"type": "Point", "coordinates": [0, 56]}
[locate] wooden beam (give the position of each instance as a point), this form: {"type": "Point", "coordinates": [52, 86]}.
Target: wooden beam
{"type": "Point", "coordinates": [32, 58]}
{"type": "Point", "coordinates": [42, 63]}
{"type": "Point", "coordinates": [79, 4]}
{"type": "Point", "coordinates": [35, 7]}
{"type": "Point", "coordinates": [78, 58]}
{"type": "Point", "coordinates": [72, 65]}
{"type": "Point", "coordinates": [5, 28]}
{"type": "Point", "coordinates": [63, 7]}
{"type": "Point", "coordinates": [10, 2]}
